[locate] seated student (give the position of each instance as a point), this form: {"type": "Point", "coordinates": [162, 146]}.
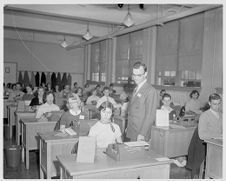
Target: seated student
{"type": "Point", "coordinates": [166, 100]}
{"type": "Point", "coordinates": [16, 94]}
{"type": "Point", "coordinates": [93, 98]}
{"type": "Point", "coordinates": [73, 116]}
{"type": "Point", "coordinates": [86, 91]}
{"type": "Point", "coordinates": [29, 94]}
{"type": "Point", "coordinates": [161, 93]}
{"type": "Point", "coordinates": [112, 91]}
{"type": "Point", "coordinates": [210, 122]}
{"type": "Point", "coordinates": [79, 92]}
{"type": "Point", "coordinates": [106, 97]}
{"type": "Point", "coordinates": [99, 91]}
{"type": "Point", "coordinates": [193, 105]}
{"type": "Point", "coordinates": [39, 98]}
{"type": "Point", "coordinates": [66, 91]}
{"type": "Point", "coordinates": [47, 107]}
{"type": "Point", "coordinates": [105, 131]}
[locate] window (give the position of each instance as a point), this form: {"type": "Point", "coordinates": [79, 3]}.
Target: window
{"type": "Point", "coordinates": [98, 62]}
{"type": "Point", "coordinates": [129, 49]}
{"type": "Point", "coordinates": [179, 52]}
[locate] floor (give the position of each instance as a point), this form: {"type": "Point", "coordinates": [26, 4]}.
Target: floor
{"type": "Point", "coordinates": [33, 173]}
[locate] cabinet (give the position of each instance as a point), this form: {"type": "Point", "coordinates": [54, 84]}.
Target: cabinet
{"type": "Point", "coordinates": [171, 142]}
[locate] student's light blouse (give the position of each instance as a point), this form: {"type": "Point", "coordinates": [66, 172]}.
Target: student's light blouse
{"type": "Point", "coordinates": [104, 134]}
{"type": "Point", "coordinates": [46, 108]}
{"type": "Point", "coordinates": [194, 106]}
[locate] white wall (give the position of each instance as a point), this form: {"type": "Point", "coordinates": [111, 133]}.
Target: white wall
{"type": "Point", "coordinates": [47, 57]}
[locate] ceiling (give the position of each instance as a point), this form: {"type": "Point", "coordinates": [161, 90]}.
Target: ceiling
{"type": "Point", "coordinates": [71, 20]}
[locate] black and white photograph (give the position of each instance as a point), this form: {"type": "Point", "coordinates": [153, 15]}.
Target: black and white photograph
{"type": "Point", "coordinates": [112, 90]}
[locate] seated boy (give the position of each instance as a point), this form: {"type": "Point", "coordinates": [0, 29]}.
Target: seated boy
{"type": "Point", "coordinates": [210, 121]}
{"type": "Point", "coordinates": [166, 100]}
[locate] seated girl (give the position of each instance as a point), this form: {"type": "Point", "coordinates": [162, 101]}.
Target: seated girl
{"type": "Point", "coordinates": [105, 131]}
{"type": "Point", "coordinates": [45, 109]}
{"type": "Point", "coordinates": [193, 105]}
{"type": "Point", "coordinates": [92, 100]}
{"type": "Point", "coordinates": [39, 98]}
{"type": "Point", "coordinates": [28, 96]}
{"type": "Point", "coordinates": [73, 117]}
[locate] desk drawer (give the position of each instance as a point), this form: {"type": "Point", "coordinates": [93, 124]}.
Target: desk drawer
{"type": "Point", "coordinates": [149, 172]}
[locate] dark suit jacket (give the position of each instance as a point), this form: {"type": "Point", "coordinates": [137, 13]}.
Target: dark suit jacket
{"type": "Point", "coordinates": [141, 112]}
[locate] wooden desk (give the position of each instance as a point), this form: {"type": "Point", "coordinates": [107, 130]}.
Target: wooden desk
{"type": "Point", "coordinates": [30, 128]}
{"type": "Point", "coordinates": [107, 168]}
{"type": "Point", "coordinates": [18, 117]}
{"type": "Point", "coordinates": [171, 142]}
{"type": "Point", "coordinates": [8, 102]}
{"type": "Point", "coordinates": [51, 145]}
{"type": "Point", "coordinates": [214, 157]}
{"type": "Point", "coordinates": [11, 118]}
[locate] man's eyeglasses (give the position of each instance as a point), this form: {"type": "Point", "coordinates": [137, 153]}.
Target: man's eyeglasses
{"type": "Point", "coordinates": [137, 75]}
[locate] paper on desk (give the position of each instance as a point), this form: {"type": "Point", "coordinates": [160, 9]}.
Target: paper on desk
{"type": "Point", "coordinates": [136, 143]}
{"type": "Point", "coordinates": [176, 126]}
{"type": "Point", "coordinates": [162, 118]}
{"type": "Point", "coordinates": [86, 149]}
{"type": "Point", "coordinates": [162, 159]}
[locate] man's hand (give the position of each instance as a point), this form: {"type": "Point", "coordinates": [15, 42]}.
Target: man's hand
{"type": "Point", "coordinates": [140, 138]}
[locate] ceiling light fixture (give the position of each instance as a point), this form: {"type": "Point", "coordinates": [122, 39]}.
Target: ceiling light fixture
{"type": "Point", "coordinates": [128, 21]}
{"type": "Point", "coordinates": [64, 43]}
{"type": "Point", "coordinates": [87, 36]}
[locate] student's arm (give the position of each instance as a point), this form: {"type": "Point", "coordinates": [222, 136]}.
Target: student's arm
{"type": "Point", "coordinates": [118, 134]}
{"type": "Point", "coordinates": [39, 112]}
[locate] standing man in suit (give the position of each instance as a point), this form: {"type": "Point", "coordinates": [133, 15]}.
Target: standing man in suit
{"type": "Point", "coordinates": [142, 106]}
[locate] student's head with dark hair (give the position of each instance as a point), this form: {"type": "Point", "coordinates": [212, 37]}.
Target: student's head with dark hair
{"type": "Point", "coordinates": [106, 110]}
{"type": "Point", "coordinates": [166, 99]}
{"type": "Point", "coordinates": [106, 91]}
{"type": "Point", "coordinates": [75, 84]}
{"type": "Point", "coordinates": [29, 89]}
{"type": "Point", "coordinates": [194, 94]}
{"type": "Point", "coordinates": [97, 86]}
{"type": "Point", "coordinates": [18, 86]}
{"type": "Point", "coordinates": [162, 92]}
{"type": "Point", "coordinates": [41, 91]}
{"type": "Point", "coordinates": [49, 97]}
{"type": "Point", "coordinates": [79, 91]}
{"type": "Point", "coordinates": [215, 102]}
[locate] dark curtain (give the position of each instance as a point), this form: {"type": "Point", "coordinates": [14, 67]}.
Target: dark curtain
{"type": "Point", "coordinates": [26, 78]}
{"type": "Point", "coordinates": [20, 78]}
{"type": "Point", "coordinates": [64, 80]}
{"type": "Point", "coordinates": [43, 78]}
{"type": "Point", "coordinates": [53, 80]}
{"type": "Point", "coordinates": [37, 79]}
{"type": "Point", "coordinates": [59, 80]}
{"type": "Point", "coordinates": [33, 79]}
{"type": "Point", "coordinates": [69, 79]}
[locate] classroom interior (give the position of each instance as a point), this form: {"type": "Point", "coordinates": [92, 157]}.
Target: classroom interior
{"type": "Point", "coordinates": [97, 44]}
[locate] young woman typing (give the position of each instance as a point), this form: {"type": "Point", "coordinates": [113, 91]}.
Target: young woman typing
{"type": "Point", "coordinates": [105, 130]}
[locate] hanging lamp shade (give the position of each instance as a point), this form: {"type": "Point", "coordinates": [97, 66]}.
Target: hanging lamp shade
{"type": "Point", "coordinates": [128, 21]}
{"type": "Point", "coordinates": [87, 36]}
{"type": "Point", "coordinates": [64, 43]}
